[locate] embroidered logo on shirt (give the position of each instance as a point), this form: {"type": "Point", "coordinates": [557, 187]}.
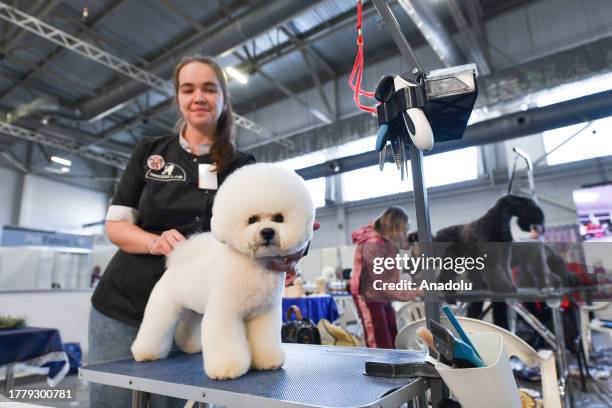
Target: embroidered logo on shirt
{"type": "Point", "coordinates": [170, 172]}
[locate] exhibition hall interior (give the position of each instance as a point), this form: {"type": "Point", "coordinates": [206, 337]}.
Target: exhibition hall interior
{"type": "Point", "coordinates": [306, 203]}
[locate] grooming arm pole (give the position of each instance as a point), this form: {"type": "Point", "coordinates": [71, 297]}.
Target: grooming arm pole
{"type": "Point", "coordinates": [432, 308]}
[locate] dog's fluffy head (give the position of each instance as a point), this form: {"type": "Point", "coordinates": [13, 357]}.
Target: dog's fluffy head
{"type": "Point", "coordinates": [263, 210]}
{"type": "Point", "coordinates": [526, 210]}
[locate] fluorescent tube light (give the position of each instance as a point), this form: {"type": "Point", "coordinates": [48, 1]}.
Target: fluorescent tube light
{"type": "Point", "coordinates": [61, 160]}
{"type": "Point", "coordinates": [237, 75]}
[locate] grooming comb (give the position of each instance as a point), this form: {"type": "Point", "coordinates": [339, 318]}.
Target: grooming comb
{"type": "Point", "coordinates": [453, 349]}
{"type": "Point", "coordinates": [449, 320]}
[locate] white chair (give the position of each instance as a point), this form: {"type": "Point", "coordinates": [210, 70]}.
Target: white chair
{"type": "Point", "coordinates": [408, 313]}
{"type": "Point", "coordinates": [515, 346]}
{"type": "Point", "coordinates": [586, 325]}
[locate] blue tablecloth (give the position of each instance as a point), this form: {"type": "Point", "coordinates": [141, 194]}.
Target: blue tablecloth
{"type": "Point", "coordinates": [37, 347]}
{"type": "Point", "coordinates": [314, 308]}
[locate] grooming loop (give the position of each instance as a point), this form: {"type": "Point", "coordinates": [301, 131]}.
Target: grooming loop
{"type": "Point", "coordinates": [357, 72]}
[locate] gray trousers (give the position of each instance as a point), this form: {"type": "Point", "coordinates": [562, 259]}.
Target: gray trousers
{"type": "Point", "coordinates": [110, 339]}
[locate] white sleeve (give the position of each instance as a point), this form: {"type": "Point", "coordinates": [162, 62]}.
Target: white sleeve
{"type": "Point", "coordinates": [122, 213]}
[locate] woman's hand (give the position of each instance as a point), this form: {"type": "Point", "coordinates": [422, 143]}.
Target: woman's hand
{"type": "Point", "coordinates": [165, 243]}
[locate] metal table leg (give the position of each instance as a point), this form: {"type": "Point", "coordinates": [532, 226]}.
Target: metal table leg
{"type": "Point", "coordinates": [421, 400]}
{"type": "Point", "coordinates": [9, 378]}
{"type": "Point", "coordinates": [564, 382]}
{"type": "Point", "coordinates": [140, 399]}
{"type": "Point", "coordinates": [511, 315]}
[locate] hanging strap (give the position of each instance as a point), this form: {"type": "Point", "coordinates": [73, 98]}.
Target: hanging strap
{"type": "Point", "coordinates": [357, 72]}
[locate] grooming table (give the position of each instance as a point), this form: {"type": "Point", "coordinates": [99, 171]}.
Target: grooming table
{"type": "Point", "coordinates": [312, 376]}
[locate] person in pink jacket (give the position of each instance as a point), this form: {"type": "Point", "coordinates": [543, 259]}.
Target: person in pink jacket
{"type": "Point", "coordinates": [380, 239]}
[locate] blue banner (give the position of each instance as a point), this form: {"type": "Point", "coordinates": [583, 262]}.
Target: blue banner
{"type": "Point", "coordinates": [15, 236]}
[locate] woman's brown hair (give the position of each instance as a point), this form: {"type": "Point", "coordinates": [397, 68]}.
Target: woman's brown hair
{"type": "Point", "coordinates": [393, 225]}
{"type": "Point", "coordinates": [222, 149]}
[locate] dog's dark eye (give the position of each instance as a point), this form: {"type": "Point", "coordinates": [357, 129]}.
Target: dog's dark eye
{"type": "Point", "coordinates": [278, 218]}
{"type": "Point", "coordinates": [253, 219]}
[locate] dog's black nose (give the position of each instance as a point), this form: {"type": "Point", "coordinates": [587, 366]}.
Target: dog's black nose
{"type": "Point", "coordinates": [267, 234]}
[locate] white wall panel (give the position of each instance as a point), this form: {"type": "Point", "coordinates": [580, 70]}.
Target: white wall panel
{"type": "Point", "coordinates": [9, 199]}
{"type": "Point", "coordinates": [51, 205]}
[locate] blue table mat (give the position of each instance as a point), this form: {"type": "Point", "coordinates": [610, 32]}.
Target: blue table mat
{"type": "Point", "coordinates": [312, 375]}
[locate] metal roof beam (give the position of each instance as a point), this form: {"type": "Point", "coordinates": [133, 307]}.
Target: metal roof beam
{"type": "Point", "coordinates": [92, 52]}
{"type": "Point", "coordinates": [25, 78]}
{"type": "Point", "coordinates": [7, 156]}
{"type": "Point", "coordinates": [532, 121]}
{"type": "Point", "coordinates": [70, 146]}
{"type": "Point", "coordinates": [291, 31]}
{"type": "Point", "coordinates": [337, 23]}
{"type": "Point", "coordinates": [307, 54]}
{"type": "Point", "coordinates": [100, 56]}
{"type": "Point", "coordinates": [284, 89]}
{"type": "Point", "coordinates": [14, 39]}
{"type": "Point", "coordinates": [427, 21]}
{"type": "Point", "coordinates": [474, 45]}
{"type": "Point", "coordinates": [218, 38]}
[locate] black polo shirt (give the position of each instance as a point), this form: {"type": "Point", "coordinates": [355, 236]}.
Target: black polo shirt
{"type": "Point", "coordinates": [162, 199]}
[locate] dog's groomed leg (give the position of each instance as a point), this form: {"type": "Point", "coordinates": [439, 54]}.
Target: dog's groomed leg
{"type": "Point", "coordinates": [224, 343]}
{"type": "Point", "coordinates": [264, 337]}
{"type": "Point", "coordinates": [188, 335]}
{"type": "Point", "coordinates": [154, 339]}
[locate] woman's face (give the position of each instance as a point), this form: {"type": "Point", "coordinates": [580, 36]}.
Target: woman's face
{"type": "Point", "coordinates": [200, 97]}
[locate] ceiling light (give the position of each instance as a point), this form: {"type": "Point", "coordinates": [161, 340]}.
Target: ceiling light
{"type": "Point", "coordinates": [227, 52]}
{"type": "Point", "coordinates": [60, 160]}
{"type": "Point", "coordinates": [237, 75]}
{"type": "Point", "coordinates": [65, 169]}
{"type": "Point", "coordinates": [54, 170]}
{"type": "Point", "coordinates": [108, 112]}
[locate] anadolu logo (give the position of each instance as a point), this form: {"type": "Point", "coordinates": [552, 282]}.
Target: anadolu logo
{"type": "Point", "coordinates": [170, 172]}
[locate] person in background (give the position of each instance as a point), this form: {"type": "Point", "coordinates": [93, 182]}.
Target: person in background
{"type": "Point", "coordinates": [96, 274]}
{"type": "Point", "coordinates": [380, 239]}
{"type": "Point", "coordinates": [165, 194]}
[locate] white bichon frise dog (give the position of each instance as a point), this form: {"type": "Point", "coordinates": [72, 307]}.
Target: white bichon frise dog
{"type": "Point", "coordinates": [261, 211]}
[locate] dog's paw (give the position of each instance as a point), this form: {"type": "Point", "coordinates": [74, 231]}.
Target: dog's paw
{"type": "Point", "coordinates": [187, 343]}
{"type": "Point", "coordinates": [226, 368]}
{"type": "Point", "coordinates": [268, 359]}
{"type": "Point", "coordinates": [143, 352]}
{"type": "Point", "coordinates": [190, 347]}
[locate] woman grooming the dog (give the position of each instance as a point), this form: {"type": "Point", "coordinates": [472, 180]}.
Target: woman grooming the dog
{"type": "Point", "coordinates": [381, 239]}
{"type": "Point", "coordinates": [165, 194]}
